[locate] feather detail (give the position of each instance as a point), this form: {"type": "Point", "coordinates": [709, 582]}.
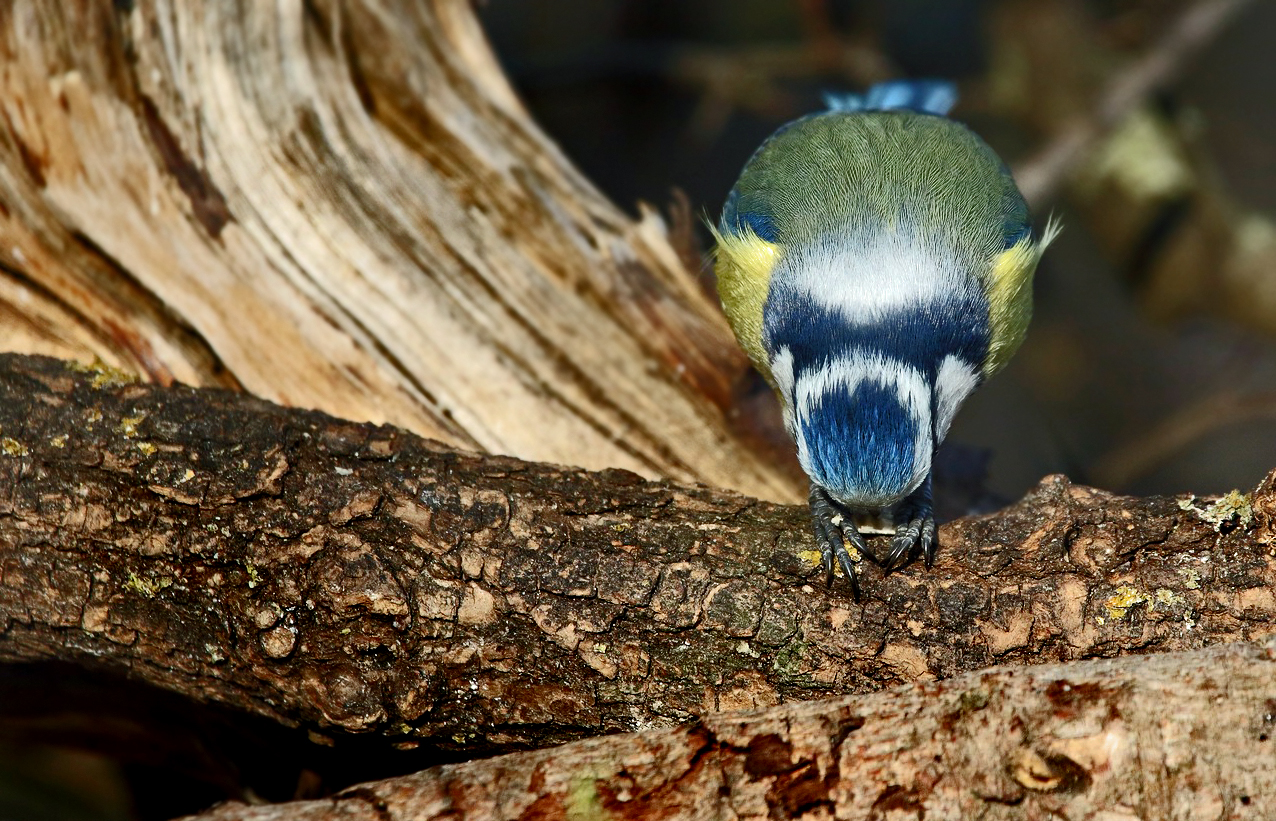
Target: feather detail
{"type": "Point", "coordinates": [923, 96]}
{"type": "Point", "coordinates": [743, 269]}
{"type": "Point", "coordinates": [1010, 297]}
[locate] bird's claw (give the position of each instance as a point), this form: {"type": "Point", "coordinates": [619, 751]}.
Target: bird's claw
{"type": "Point", "coordinates": [918, 536]}
{"type": "Point", "coordinates": [833, 530]}
{"type": "Point", "coordinates": [929, 541]}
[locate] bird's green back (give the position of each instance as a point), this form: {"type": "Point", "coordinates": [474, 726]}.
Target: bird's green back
{"type": "Point", "coordinates": [848, 177]}
{"type": "Point", "coordinates": [834, 173]}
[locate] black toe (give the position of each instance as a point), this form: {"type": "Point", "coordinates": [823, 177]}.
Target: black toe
{"type": "Point", "coordinates": [834, 528]}
{"type": "Point", "coordinates": [902, 546]}
{"type": "Point", "coordinates": [929, 541]}
{"type": "Point", "coordinates": [914, 530]}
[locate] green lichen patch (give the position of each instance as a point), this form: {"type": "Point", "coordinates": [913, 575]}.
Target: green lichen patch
{"type": "Point", "coordinates": [1233, 507]}
{"type": "Point", "coordinates": [1120, 602]}
{"type": "Point", "coordinates": [128, 425]}
{"type": "Point", "coordinates": [147, 587]}
{"type": "Point", "coordinates": [104, 375]}
{"type": "Point", "coordinates": [1191, 578]}
{"type": "Point", "coordinates": [12, 447]}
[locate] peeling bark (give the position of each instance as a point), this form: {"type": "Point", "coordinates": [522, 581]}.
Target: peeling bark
{"type": "Point", "coordinates": [1173, 737]}
{"type": "Point", "coordinates": [351, 578]}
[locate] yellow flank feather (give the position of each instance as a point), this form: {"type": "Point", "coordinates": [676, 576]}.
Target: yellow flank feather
{"type": "Point", "coordinates": [1010, 298]}
{"type": "Point", "coordinates": [744, 265]}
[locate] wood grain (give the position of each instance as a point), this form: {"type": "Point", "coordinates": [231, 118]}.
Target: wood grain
{"type": "Point", "coordinates": [342, 205]}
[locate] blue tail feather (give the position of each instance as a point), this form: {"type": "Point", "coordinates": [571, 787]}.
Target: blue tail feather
{"type": "Point", "coordinates": [922, 96]}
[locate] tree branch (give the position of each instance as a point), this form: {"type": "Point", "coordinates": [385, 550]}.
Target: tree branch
{"type": "Point", "coordinates": [1040, 176]}
{"type": "Point", "coordinates": [1133, 738]}
{"type": "Point", "coordinates": [353, 578]}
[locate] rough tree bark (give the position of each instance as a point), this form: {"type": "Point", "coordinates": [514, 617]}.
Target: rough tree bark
{"type": "Point", "coordinates": [1176, 737]}
{"type": "Point", "coordinates": [355, 578]}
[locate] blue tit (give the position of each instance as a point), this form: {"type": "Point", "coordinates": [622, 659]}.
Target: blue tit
{"type": "Point", "coordinates": [875, 262]}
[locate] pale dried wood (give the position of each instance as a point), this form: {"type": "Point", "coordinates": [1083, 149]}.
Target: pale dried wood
{"type": "Point", "coordinates": [342, 205]}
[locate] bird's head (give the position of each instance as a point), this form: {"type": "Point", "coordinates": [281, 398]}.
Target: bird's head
{"type": "Point", "coordinates": [864, 427]}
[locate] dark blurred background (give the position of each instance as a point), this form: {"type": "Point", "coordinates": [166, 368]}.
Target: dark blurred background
{"type": "Point", "coordinates": [1151, 363]}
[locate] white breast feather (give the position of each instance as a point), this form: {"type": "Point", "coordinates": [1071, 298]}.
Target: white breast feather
{"type": "Point", "coordinates": [866, 283]}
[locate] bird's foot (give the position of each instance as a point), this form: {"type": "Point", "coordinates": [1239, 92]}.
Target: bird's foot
{"type": "Point", "coordinates": [834, 527]}
{"type": "Point", "coordinates": [918, 536]}
{"type": "Point", "coordinates": [915, 532]}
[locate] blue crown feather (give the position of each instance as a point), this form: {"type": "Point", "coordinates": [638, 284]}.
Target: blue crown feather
{"type": "Point", "coordinates": [923, 96]}
{"type": "Point", "coordinates": [860, 442]}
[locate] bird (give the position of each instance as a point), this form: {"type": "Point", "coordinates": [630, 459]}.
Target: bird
{"type": "Point", "coordinates": [875, 262]}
